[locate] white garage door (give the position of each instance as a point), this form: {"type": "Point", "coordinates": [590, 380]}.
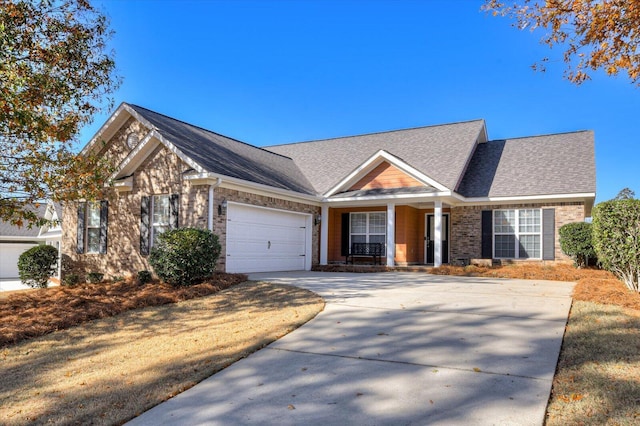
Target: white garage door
{"type": "Point", "coordinates": [9, 254]}
{"type": "Point", "coordinates": [263, 240]}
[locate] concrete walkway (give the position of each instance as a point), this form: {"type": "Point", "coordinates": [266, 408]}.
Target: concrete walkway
{"type": "Point", "coordinates": [394, 348]}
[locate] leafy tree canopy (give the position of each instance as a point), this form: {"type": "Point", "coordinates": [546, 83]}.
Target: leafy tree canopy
{"type": "Point", "coordinates": [596, 34]}
{"type": "Point", "coordinates": [625, 194]}
{"type": "Point", "coordinates": [55, 74]}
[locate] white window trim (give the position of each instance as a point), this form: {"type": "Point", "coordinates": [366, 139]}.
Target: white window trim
{"type": "Point", "coordinates": [367, 233]}
{"type": "Point", "coordinates": [88, 207]}
{"type": "Point", "coordinates": [517, 234]}
{"type": "Point", "coordinates": [152, 223]}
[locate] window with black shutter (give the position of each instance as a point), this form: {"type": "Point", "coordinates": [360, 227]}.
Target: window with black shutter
{"type": "Point", "coordinates": [92, 227]}
{"type": "Point", "coordinates": [158, 214]}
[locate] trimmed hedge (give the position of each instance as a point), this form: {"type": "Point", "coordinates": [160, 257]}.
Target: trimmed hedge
{"type": "Point", "coordinates": [37, 265]}
{"type": "Point", "coordinates": [185, 256]}
{"type": "Point", "coordinates": [576, 240]}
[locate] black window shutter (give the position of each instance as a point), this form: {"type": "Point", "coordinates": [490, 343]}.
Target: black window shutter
{"type": "Point", "coordinates": [344, 241]}
{"type": "Point", "coordinates": [487, 234]}
{"type": "Point", "coordinates": [104, 217]}
{"type": "Point", "coordinates": [82, 208]}
{"type": "Point", "coordinates": [174, 201]}
{"type": "Point", "coordinates": [548, 234]}
{"type": "Point", "coordinates": [145, 207]}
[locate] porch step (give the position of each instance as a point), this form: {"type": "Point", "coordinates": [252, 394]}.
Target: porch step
{"type": "Point", "coordinates": [341, 267]}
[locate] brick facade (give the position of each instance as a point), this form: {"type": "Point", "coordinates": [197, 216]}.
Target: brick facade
{"type": "Point", "coordinates": [162, 172]}
{"type": "Point", "coordinates": [466, 222]}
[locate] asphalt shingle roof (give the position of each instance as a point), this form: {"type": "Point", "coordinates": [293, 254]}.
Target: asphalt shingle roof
{"type": "Point", "coordinates": [229, 157]}
{"type": "Point", "coordinates": [449, 154]}
{"type": "Point", "coordinates": [538, 165]}
{"type": "Point", "coordinates": [9, 230]}
{"type": "Point", "coordinates": [440, 152]}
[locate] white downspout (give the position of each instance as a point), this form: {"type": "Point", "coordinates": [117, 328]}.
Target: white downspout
{"type": "Point", "coordinates": [391, 237]}
{"type": "Point", "coordinates": [210, 205]}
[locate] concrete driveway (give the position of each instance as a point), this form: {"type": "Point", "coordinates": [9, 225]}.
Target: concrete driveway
{"type": "Point", "coordinates": [394, 348]}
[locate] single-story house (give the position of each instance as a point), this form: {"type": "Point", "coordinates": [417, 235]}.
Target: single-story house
{"type": "Point", "coordinates": [428, 195]}
{"type": "Point", "coordinates": [15, 240]}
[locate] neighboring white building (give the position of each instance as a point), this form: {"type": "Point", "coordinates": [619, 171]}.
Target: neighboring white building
{"type": "Point", "coordinates": [16, 240]}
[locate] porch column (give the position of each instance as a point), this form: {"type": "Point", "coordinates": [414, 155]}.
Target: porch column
{"type": "Point", "coordinates": [210, 209]}
{"type": "Point", "coordinates": [437, 233]}
{"type": "Point", "coordinates": [324, 234]}
{"type": "Point", "coordinates": [391, 235]}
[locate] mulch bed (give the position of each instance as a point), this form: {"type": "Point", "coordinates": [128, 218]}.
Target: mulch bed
{"type": "Point", "coordinates": [532, 271]}
{"type": "Point", "coordinates": [29, 314]}
{"type": "Point", "coordinates": [607, 292]}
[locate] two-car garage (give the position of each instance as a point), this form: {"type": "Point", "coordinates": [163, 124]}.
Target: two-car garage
{"type": "Point", "coordinates": [262, 239]}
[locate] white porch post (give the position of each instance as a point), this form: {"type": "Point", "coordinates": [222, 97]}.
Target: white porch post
{"type": "Point", "coordinates": [324, 234]}
{"type": "Point", "coordinates": [210, 209]}
{"type": "Point", "coordinates": [437, 233]}
{"type": "Point", "coordinates": [391, 235]}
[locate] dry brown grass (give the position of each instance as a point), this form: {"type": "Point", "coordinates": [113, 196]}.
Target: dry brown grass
{"type": "Point", "coordinates": [111, 369]}
{"type": "Point", "coordinates": [597, 381]}
{"type": "Point", "coordinates": [27, 314]}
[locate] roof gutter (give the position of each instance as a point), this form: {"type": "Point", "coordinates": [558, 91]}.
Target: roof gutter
{"type": "Point", "coordinates": [228, 181]}
{"type": "Point", "coordinates": [520, 198]}
{"type": "Point", "coordinates": [336, 199]}
{"type": "Point", "coordinates": [587, 197]}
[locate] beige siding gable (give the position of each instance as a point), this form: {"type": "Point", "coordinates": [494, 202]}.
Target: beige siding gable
{"type": "Point", "coordinates": [385, 175]}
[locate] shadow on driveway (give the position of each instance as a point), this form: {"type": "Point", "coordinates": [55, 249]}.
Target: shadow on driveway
{"type": "Point", "coordinates": [394, 348]}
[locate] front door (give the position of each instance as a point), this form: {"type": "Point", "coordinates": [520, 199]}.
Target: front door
{"type": "Point", "coordinates": [430, 221]}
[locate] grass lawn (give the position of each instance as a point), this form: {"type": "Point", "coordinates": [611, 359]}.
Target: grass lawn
{"type": "Point", "coordinates": [113, 368]}
{"type": "Point", "coordinates": [597, 381]}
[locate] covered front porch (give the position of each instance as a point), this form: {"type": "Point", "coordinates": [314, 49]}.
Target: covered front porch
{"type": "Point", "coordinates": [412, 233]}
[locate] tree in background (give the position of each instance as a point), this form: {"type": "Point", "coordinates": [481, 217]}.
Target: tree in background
{"type": "Point", "coordinates": [596, 34]}
{"type": "Point", "coordinates": [55, 74]}
{"type": "Point", "coordinates": [625, 194]}
{"type": "Point", "coordinates": [616, 239]}
{"type": "Point", "coordinates": [576, 241]}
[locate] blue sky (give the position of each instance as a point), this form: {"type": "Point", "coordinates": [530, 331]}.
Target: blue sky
{"type": "Point", "coordinates": [270, 72]}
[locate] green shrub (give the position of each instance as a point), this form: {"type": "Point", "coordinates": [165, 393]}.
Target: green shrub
{"type": "Point", "coordinates": [144, 276]}
{"type": "Point", "coordinates": [71, 279]}
{"type": "Point", "coordinates": [37, 265]}
{"type": "Point", "coordinates": [576, 241]}
{"type": "Point", "coordinates": [185, 256]}
{"type": "Point", "coordinates": [94, 277]}
{"type": "Point", "coordinates": [117, 279]}
{"type": "Point", "coordinates": [616, 239]}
